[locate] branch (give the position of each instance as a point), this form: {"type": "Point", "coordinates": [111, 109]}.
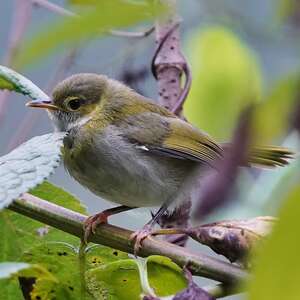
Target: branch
{"type": "Point", "coordinates": [118, 238]}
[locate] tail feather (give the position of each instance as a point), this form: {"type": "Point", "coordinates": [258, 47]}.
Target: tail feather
{"type": "Point", "coordinates": [270, 156]}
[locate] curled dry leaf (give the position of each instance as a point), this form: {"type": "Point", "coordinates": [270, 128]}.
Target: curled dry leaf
{"type": "Point", "coordinates": [233, 239]}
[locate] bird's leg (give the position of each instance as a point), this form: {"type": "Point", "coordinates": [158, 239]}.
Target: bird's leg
{"type": "Point", "coordinates": [147, 229]}
{"type": "Point", "coordinates": [93, 221]}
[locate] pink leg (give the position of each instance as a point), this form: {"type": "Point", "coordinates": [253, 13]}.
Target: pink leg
{"type": "Point", "coordinates": [147, 229]}
{"type": "Point", "coordinates": [93, 221]}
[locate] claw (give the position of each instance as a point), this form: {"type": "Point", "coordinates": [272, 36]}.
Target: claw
{"type": "Point", "coordinates": [139, 236]}
{"type": "Point", "coordinates": [91, 223]}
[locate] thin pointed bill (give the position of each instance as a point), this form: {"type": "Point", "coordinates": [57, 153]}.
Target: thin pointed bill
{"type": "Point", "coordinates": [46, 104]}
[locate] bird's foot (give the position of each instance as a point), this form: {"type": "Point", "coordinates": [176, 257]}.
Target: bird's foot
{"type": "Point", "coordinates": [92, 222]}
{"type": "Point", "coordinates": [139, 236]}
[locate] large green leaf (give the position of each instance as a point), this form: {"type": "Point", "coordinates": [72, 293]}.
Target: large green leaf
{"type": "Point", "coordinates": [226, 78]}
{"type": "Point", "coordinates": [93, 22]}
{"type": "Point", "coordinates": [61, 260]}
{"type": "Point", "coordinates": [13, 81]}
{"type": "Point", "coordinates": [19, 234]}
{"type": "Point", "coordinates": [277, 269]}
{"type": "Point", "coordinates": [54, 251]}
{"type": "Point", "coordinates": [129, 279]}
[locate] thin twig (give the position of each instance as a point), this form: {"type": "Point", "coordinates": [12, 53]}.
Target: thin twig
{"type": "Point", "coordinates": [54, 8]}
{"type": "Point", "coordinates": [118, 238]}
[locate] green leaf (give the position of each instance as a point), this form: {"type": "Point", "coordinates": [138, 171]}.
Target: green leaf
{"type": "Point", "coordinates": [277, 268]}
{"type": "Point", "coordinates": [59, 196]}
{"type": "Point", "coordinates": [9, 268]}
{"type": "Point", "coordinates": [28, 165]}
{"type": "Point", "coordinates": [115, 281]}
{"type": "Point", "coordinates": [54, 251]}
{"type": "Point", "coordinates": [62, 261]}
{"type": "Point", "coordinates": [165, 277]}
{"type": "Point", "coordinates": [125, 279]}
{"type": "Point", "coordinates": [91, 23]}
{"type": "Point", "coordinates": [13, 81]}
{"type": "Point", "coordinates": [226, 78]}
{"type": "Point", "coordinates": [20, 233]}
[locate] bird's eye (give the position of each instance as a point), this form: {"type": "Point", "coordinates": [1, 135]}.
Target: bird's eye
{"type": "Point", "coordinates": [74, 104]}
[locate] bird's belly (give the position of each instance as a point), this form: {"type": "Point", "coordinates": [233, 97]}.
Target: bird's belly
{"type": "Point", "coordinates": [127, 175]}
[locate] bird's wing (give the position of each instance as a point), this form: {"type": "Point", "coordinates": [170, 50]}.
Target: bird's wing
{"type": "Point", "coordinates": [172, 137]}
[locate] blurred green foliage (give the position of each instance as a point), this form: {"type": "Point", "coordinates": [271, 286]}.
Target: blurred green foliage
{"type": "Point", "coordinates": [273, 116]}
{"type": "Point", "coordinates": [287, 9]}
{"type": "Point", "coordinates": [226, 77]}
{"type": "Point", "coordinates": [277, 268]}
{"type": "Point", "coordinates": [93, 21]}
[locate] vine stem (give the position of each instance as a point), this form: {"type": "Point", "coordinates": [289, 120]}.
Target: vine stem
{"type": "Point", "coordinates": [118, 238]}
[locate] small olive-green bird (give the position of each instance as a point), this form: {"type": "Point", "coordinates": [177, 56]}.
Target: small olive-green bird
{"type": "Point", "coordinates": [129, 150]}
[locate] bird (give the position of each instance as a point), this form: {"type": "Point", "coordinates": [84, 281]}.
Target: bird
{"type": "Point", "coordinates": [131, 151]}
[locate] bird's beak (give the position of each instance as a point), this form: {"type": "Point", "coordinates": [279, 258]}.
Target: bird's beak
{"type": "Point", "coordinates": [46, 104]}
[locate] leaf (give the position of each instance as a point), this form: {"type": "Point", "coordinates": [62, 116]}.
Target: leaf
{"type": "Point", "coordinates": [91, 23]}
{"type": "Point", "coordinates": [59, 196]}
{"type": "Point", "coordinates": [13, 81]}
{"type": "Point", "coordinates": [19, 233]}
{"type": "Point", "coordinates": [277, 267]}
{"type": "Point", "coordinates": [165, 277]}
{"type": "Point", "coordinates": [9, 268]}
{"type": "Point", "coordinates": [115, 281]}
{"type": "Point", "coordinates": [61, 261]}
{"type": "Point", "coordinates": [28, 165]}
{"type": "Point", "coordinates": [226, 79]}
{"type": "Point", "coordinates": [55, 251]}
{"type": "Point", "coordinates": [122, 280]}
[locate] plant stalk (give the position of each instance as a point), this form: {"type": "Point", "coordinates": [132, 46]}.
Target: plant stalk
{"type": "Point", "coordinates": [118, 238]}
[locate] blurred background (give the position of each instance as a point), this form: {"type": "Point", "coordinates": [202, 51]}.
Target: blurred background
{"type": "Point", "coordinates": [239, 53]}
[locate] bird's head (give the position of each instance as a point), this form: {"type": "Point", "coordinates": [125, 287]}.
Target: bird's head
{"type": "Point", "coordinates": [74, 100]}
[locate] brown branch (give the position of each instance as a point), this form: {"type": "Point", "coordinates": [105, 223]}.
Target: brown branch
{"type": "Point", "coordinates": [118, 238]}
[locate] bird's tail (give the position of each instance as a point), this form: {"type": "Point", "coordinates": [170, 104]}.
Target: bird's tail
{"type": "Point", "coordinates": [270, 156]}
